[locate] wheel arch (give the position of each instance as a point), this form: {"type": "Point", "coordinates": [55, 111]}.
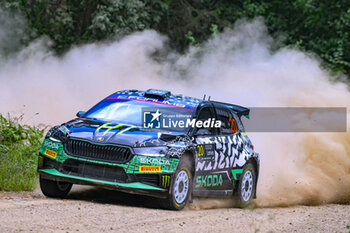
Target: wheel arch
{"type": "Point", "coordinates": [190, 154]}
{"type": "Point", "coordinates": [187, 157]}
{"type": "Point", "coordinates": [255, 163]}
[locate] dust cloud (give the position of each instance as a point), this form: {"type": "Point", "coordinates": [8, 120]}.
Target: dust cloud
{"type": "Point", "coordinates": [237, 66]}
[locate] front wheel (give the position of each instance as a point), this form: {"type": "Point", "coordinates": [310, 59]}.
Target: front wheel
{"type": "Point", "coordinates": [181, 186]}
{"type": "Point", "coordinates": [246, 186]}
{"type": "Point", "coordinates": [55, 189]}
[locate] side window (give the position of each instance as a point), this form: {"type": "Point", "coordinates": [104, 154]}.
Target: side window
{"type": "Point", "coordinates": [205, 114]}
{"type": "Point", "coordinates": [240, 126]}
{"type": "Point", "coordinates": [228, 121]}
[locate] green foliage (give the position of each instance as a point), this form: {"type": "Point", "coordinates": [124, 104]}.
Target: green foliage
{"type": "Point", "coordinates": [19, 146]}
{"type": "Point", "coordinates": [322, 26]}
{"type": "Point", "coordinates": [191, 39]}
{"type": "Point", "coordinates": [69, 23]}
{"type": "Point", "coordinates": [214, 29]}
{"type": "Point", "coordinates": [319, 26]}
{"type": "Point", "coordinates": [123, 16]}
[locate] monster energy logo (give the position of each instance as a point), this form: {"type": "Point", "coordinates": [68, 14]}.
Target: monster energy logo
{"type": "Point", "coordinates": [165, 181]}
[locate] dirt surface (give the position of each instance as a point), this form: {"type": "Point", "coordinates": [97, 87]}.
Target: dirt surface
{"type": "Point", "coordinates": [96, 210]}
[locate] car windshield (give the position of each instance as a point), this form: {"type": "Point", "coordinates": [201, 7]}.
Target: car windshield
{"type": "Point", "coordinates": [146, 114]}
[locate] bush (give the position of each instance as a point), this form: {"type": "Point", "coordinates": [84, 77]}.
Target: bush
{"type": "Point", "coordinates": [19, 146]}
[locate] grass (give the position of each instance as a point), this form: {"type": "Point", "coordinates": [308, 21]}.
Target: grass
{"type": "Point", "coordinates": [19, 146]}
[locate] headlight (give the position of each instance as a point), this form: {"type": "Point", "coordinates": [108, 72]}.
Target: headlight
{"type": "Point", "coordinates": [151, 151]}
{"type": "Point", "coordinates": [54, 139]}
{"type": "Point", "coordinates": [57, 133]}
{"type": "Point", "coordinates": [51, 132]}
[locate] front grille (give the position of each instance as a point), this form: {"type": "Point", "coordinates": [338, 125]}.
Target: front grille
{"type": "Point", "coordinates": [94, 171]}
{"type": "Point", "coordinates": [87, 150]}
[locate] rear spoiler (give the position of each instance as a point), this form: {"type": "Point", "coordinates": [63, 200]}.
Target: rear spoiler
{"type": "Point", "coordinates": [239, 110]}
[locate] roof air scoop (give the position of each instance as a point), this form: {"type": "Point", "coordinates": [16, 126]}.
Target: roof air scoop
{"type": "Point", "coordinates": [157, 94]}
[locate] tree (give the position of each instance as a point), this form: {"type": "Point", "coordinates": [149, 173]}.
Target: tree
{"type": "Point", "coordinates": [318, 26]}
{"type": "Point", "coordinates": [73, 22]}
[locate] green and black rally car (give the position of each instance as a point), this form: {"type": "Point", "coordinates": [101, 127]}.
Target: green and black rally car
{"type": "Point", "coordinates": [154, 143]}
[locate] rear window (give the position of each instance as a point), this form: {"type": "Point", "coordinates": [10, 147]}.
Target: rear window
{"type": "Point", "coordinates": [230, 122]}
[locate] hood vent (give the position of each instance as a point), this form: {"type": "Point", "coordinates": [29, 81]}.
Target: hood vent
{"type": "Point", "coordinates": [157, 94]}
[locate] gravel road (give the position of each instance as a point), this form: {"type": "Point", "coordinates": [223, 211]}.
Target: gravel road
{"type": "Point", "coordinates": [89, 209]}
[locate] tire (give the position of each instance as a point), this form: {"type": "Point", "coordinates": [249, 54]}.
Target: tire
{"type": "Point", "coordinates": [54, 189]}
{"type": "Point", "coordinates": [181, 186]}
{"type": "Point", "coordinates": [246, 186]}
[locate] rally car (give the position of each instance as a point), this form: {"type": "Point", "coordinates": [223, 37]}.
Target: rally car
{"type": "Point", "coordinates": [154, 143]}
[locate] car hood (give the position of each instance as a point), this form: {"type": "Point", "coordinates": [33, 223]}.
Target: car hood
{"type": "Point", "coordinates": [112, 133]}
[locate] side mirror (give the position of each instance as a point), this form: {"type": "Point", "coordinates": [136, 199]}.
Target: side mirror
{"type": "Point", "coordinates": [202, 132]}
{"type": "Point", "coordinates": [80, 114]}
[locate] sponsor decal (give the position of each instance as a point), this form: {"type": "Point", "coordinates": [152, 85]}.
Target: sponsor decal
{"type": "Point", "coordinates": [165, 181]}
{"type": "Point", "coordinates": [154, 161]}
{"type": "Point", "coordinates": [206, 152]}
{"type": "Point", "coordinates": [112, 127]}
{"type": "Point", "coordinates": [235, 172]}
{"type": "Point", "coordinates": [64, 129]}
{"type": "Point", "coordinates": [51, 145]}
{"type": "Point", "coordinates": [150, 169]}
{"type": "Point", "coordinates": [50, 153]}
{"type": "Point", "coordinates": [124, 130]}
{"type": "Point", "coordinates": [231, 152]}
{"type": "Point", "coordinates": [175, 104]}
{"type": "Point", "coordinates": [102, 126]}
{"type": "Point", "coordinates": [209, 150]}
{"type": "Point", "coordinates": [208, 181]}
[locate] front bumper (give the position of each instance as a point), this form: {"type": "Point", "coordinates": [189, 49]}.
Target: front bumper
{"type": "Point", "coordinates": [134, 187]}
{"type": "Point", "coordinates": [140, 174]}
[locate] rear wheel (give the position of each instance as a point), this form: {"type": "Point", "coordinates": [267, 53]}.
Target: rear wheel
{"type": "Point", "coordinates": [181, 186]}
{"type": "Point", "coordinates": [246, 186]}
{"type": "Point", "coordinates": [54, 189]}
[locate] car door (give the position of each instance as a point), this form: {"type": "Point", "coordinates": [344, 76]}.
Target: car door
{"type": "Point", "coordinates": [209, 178]}
{"type": "Point", "coordinates": [235, 147]}
{"type": "Point", "coordinates": [230, 141]}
